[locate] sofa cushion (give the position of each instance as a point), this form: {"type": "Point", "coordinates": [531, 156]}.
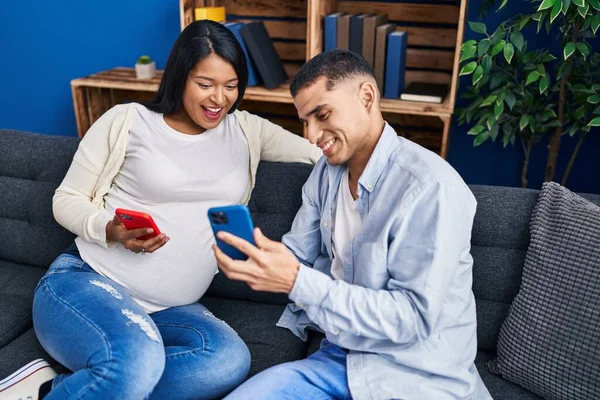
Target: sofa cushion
{"type": "Point", "coordinates": [498, 246]}
{"type": "Point", "coordinates": [549, 341]}
{"type": "Point", "coordinates": [269, 345]}
{"type": "Point", "coordinates": [17, 282]}
{"type": "Point", "coordinates": [500, 388]}
{"type": "Point", "coordinates": [31, 168]}
{"type": "Point", "coordinates": [275, 201]}
{"type": "Point", "coordinates": [21, 351]}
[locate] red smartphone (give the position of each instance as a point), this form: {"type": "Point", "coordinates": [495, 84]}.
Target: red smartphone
{"type": "Point", "coordinates": [135, 220]}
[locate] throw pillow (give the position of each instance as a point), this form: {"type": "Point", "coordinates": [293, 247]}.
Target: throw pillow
{"type": "Point", "coordinates": [550, 340]}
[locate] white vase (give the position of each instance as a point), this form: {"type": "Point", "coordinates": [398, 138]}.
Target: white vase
{"type": "Point", "coordinates": [145, 71]}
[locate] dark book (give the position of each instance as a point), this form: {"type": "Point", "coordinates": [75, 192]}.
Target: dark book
{"type": "Point", "coordinates": [343, 31]}
{"type": "Point", "coordinates": [330, 31]}
{"type": "Point", "coordinates": [425, 92]}
{"type": "Point", "coordinates": [356, 33]}
{"type": "Point", "coordinates": [395, 64]}
{"type": "Point", "coordinates": [370, 25]}
{"type": "Point", "coordinates": [263, 54]}
{"type": "Point", "coordinates": [381, 35]}
{"type": "Point", "coordinates": [235, 28]}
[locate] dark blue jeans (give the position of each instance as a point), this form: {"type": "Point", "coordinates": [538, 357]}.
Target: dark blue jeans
{"type": "Point", "coordinates": [92, 326]}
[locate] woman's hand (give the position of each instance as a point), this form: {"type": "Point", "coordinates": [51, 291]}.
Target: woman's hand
{"type": "Point", "coordinates": [116, 232]}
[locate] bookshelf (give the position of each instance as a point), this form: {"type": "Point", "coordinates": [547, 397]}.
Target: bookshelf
{"type": "Point", "coordinates": [435, 33]}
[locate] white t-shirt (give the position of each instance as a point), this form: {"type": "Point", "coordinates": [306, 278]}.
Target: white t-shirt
{"type": "Point", "coordinates": [346, 225]}
{"type": "Point", "coordinates": [175, 178]}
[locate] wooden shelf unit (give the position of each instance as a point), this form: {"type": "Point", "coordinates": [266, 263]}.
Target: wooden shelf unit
{"type": "Point", "coordinates": [435, 33]}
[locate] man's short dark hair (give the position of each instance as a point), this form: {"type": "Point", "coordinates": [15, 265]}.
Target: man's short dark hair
{"type": "Point", "coordinates": [335, 65]}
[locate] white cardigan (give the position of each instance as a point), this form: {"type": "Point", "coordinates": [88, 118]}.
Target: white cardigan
{"type": "Point", "coordinates": [78, 203]}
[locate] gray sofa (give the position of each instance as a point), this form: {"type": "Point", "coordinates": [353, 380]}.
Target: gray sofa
{"type": "Point", "coordinates": [32, 166]}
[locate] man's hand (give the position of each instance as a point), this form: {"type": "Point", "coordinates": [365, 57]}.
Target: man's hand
{"type": "Point", "coordinates": [271, 267]}
{"type": "Point", "coordinates": [116, 232]}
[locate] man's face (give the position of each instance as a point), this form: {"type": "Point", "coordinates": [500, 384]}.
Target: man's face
{"type": "Point", "coordinates": [337, 120]}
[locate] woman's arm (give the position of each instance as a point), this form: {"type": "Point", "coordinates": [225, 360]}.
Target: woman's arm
{"type": "Point", "coordinates": [280, 145]}
{"type": "Point", "coordinates": [72, 202]}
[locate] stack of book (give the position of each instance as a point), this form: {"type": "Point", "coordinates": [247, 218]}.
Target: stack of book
{"type": "Point", "coordinates": [264, 65]}
{"type": "Point", "coordinates": [384, 47]}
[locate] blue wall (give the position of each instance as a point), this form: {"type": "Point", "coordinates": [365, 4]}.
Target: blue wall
{"type": "Point", "coordinates": [43, 46]}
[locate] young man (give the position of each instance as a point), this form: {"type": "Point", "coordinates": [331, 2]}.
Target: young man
{"type": "Point", "coordinates": [378, 256]}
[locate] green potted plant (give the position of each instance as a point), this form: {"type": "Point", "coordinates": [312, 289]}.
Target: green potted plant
{"type": "Point", "coordinates": [145, 68]}
{"type": "Point", "coordinates": [522, 95]}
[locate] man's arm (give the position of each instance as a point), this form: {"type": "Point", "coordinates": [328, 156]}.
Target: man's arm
{"type": "Point", "coordinates": [423, 257]}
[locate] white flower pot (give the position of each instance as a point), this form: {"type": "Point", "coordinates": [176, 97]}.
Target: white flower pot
{"type": "Point", "coordinates": [145, 71]}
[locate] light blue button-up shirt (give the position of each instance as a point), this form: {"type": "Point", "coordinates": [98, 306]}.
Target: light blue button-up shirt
{"type": "Point", "coordinates": [405, 309]}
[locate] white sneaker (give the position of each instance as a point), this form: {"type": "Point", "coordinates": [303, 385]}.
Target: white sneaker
{"type": "Point", "coordinates": [25, 383]}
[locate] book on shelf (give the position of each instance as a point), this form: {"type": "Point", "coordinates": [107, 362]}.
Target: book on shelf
{"type": "Point", "coordinates": [356, 33]}
{"type": "Point", "coordinates": [370, 24]}
{"type": "Point", "coordinates": [381, 35]}
{"type": "Point", "coordinates": [330, 26]}
{"type": "Point", "coordinates": [425, 92]}
{"type": "Point", "coordinates": [343, 31]}
{"type": "Point", "coordinates": [395, 64]}
{"type": "Point", "coordinates": [236, 29]}
{"type": "Point", "coordinates": [263, 54]}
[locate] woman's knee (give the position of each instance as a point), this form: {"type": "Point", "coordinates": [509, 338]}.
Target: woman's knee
{"type": "Point", "coordinates": [131, 372]}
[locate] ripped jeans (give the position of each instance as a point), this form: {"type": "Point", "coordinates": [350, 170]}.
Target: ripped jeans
{"type": "Point", "coordinates": [93, 327]}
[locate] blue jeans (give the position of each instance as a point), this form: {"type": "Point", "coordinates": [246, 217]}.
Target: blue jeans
{"type": "Point", "coordinates": [92, 326]}
{"type": "Point", "coordinates": [321, 376]}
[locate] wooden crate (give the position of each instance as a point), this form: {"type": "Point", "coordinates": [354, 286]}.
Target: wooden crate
{"type": "Point", "coordinates": [435, 32]}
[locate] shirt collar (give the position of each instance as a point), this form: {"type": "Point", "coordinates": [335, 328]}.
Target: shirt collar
{"type": "Point", "coordinates": [379, 159]}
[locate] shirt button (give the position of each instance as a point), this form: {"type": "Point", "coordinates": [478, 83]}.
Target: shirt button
{"type": "Point", "coordinates": [370, 187]}
{"type": "Point", "coordinates": [302, 305]}
{"type": "Point", "coordinates": [325, 224]}
{"type": "Point", "coordinates": [336, 332]}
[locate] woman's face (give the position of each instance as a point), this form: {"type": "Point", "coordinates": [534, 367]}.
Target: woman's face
{"type": "Point", "coordinates": [210, 91]}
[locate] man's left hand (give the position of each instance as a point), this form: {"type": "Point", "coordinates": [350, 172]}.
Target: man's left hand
{"type": "Point", "coordinates": [270, 267]}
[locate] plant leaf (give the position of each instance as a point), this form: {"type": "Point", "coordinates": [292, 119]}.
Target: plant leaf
{"type": "Point", "coordinates": [483, 47]}
{"type": "Point", "coordinates": [480, 139]}
{"type": "Point", "coordinates": [517, 39]}
{"type": "Point", "coordinates": [496, 81]}
{"type": "Point", "coordinates": [595, 4]}
{"type": "Point", "coordinates": [597, 110]}
{"type": "Point", "coordinates": [595, 99]}
{"type": "Point", "coordinates": [498, 47]}
{"type": "Point", "coordinates": [502, 5]}
{"type": "Point", "coordinates": [546, 4]}
{"type": "Point", "coordinates": [583, 49]}
{"type": "Point", "coordinates": [565, 6]}
{"type": "Point", "coordinates": [478, 27]}
{"type": "Point", "coordinates": [555, 11]}
{"type": "Point", "coordinates": [510, 100]}
{"type": "Point", "coordinates": [544, 83]}
{"type": "Point", "coordinates": [468, 43]}
{"type": "Point", "coordinates": [468, 53]}
{"type": "Point", "coordinates": [494, 132]}
{"type": "Point", "coordinates": [498, 109]}
{"type": "Point", "coordinates": [509, 52]}
{"type": "Point", "coordinates": [524, 22]}
{"type": "Point", "coordinates": [523, 122]}
{"type": "Point", "coordinates": [468, 69]}
{"type": "Point", "coordinates": [595, 22]}
{"type": "Point", "coordinates": [532, 77]}
{"type": "Point", "coordinates": [477, 75]}
{"type": "Point", "coordinates": [489, 100]}
{"type": "Point", "coordinates": [595, 122]}
{"type": "Point", "coordinates": [583, 10]}
{"type": "Point", "coordinates": [569, 50]}
{"type": "Point", "coordinates": [579, 3]}
{"type": "Point", "coordinates": [476, 130]}
{"type": "Point", "coordinates": [486, 63]}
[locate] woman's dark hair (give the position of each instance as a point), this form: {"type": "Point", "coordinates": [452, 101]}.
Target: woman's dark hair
{"type": "Point", "coordinates": [197, 41]}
